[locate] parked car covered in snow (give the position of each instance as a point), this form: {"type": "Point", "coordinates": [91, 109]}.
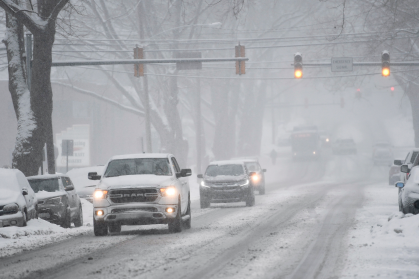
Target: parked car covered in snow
{"type": "Point", "coordinates": [141, 189]}
{"type": "Point", "coordinates": [226, 181]}
{"type": "Point", "coordinates": [410, 161]}
{"type": "Point", "coordinates": [83, 185]}
{"type": "Point", "coordinates": [18, 203]}
{"type": "Point", "coordinates": [58, 201]}
{"type": "Point", "coordinates": [409, 193]}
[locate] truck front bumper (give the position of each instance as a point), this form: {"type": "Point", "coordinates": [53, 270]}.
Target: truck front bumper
{"type": "Point", "coordinates": [136, 214]}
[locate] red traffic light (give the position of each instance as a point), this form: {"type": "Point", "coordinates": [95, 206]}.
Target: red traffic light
{"type": "Point", "coordinates": [392, 88]}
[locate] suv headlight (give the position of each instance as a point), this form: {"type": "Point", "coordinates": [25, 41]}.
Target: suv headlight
{"type": "Point", "coordinates": [168, 191]}
{"type": "Point", "coordinates": [11, 208]}
{"type": "Point", "coordinates": [100, 194]}
{"type": "Point", "coordinates": [53, 201]}
{"type": "Point", "coordinates": [244, 183]}
{"type": "Point", "coordinates": [204, 184]}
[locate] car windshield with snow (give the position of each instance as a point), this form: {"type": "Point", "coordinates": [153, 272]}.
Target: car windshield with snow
{"type": "Point", "coordinates": [58, 200]}
{"type": "Point", "coordinates": [141, 189]}
{"type": "Point", "coordinates": [226, 181]}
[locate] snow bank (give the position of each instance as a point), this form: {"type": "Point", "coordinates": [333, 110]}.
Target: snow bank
{"type": "Point", "coordinates": [384, 242]}
{"type": "Point", "coordinates": [39, 232]}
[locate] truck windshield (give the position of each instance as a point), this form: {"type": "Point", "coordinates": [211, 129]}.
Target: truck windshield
{"type": "Point", "coordinates": [215, 170]}
{"type": "Point", "coordinates": [156, 166]}
{"type": "Point", "coordinates": [48, 185]}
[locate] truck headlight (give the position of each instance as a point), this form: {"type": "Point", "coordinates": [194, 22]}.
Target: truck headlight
{"type": "Point", "coordinates": [205, 185]}
{"type": "Point", "coordinates": [56, 200]}
{"type": "Point", "coordinates": [168, 191]}
{"type": "Point", "coordinates": [11, 208]}
{"type": "Point", "coordinates": [100, 194]}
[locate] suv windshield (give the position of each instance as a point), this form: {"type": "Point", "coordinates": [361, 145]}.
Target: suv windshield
{"type": "Point", "coordinates": [215, 170]}
{"type": "Point", "coordinates": [156, 166]}
{"type": "Point", "coordinates": [253, 166]}
{"type": "Point", "coordinates": [49, 185]}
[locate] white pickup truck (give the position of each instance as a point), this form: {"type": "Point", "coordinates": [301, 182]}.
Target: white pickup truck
{"type": "Point", "coordinates": [141, 189]}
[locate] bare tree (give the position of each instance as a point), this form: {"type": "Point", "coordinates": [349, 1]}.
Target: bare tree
{"type": "Point", "coordinates": [40, 20]}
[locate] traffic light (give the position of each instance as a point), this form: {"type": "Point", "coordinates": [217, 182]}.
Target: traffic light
{"type": "Point", "coordinates": [298, 65]}
{"type": "Point", "coordinates": [385, 63]}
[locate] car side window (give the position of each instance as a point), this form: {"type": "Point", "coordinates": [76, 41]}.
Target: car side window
{"type": "Point", "coordinates": [175, 165]}
{"type": "Point", "coordinates": [412, 159]}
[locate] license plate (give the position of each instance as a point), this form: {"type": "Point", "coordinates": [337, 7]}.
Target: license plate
{"type": "Point", "coordinates": [44, 215]}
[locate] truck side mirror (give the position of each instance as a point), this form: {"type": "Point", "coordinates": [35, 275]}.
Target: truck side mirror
{"type": "Point", "coordinates": [185, 172]}
{"type": "Point", "coordinates": [93, 176]}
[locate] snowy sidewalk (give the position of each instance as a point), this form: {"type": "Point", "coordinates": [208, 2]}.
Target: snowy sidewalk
{"type": "Point", "coordinates": [40, 232]}
{"type": "Point", "coordinates": [384, 243]}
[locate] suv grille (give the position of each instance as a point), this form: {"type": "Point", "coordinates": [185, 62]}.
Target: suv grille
{"type": "Point", "coordinates": [122, 210]}
{"type": "Point", "coordinates": [133, 195]}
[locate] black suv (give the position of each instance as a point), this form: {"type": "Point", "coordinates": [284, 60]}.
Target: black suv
{"type": "Point", "coordinates": [226, 181]}
{"type": "Point", "coordinates": [58, 201]}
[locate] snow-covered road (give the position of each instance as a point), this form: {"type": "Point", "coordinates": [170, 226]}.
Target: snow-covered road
{"type": "Point", "coordinates": [311, 228]}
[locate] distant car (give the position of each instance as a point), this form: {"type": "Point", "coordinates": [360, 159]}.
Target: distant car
{"type": "Point", "coordinates": [84, 186]}
{"type": "Point", "coordinates": [18, 203]}
{"type": "Point", "coordinates": [382, 145]}
{"type": "Point", "coordinates": [226, 181]}
{"type": "Point", "coordinates": [394, 174]}
{"type": "Point", "coordinates": [58, 201]}
{"type": "Point", "coordinates": [344, 146]}
{"type": "Point", "coordinates": [409, 193]}
{"type": "Point", "coordinates": [257, 179]}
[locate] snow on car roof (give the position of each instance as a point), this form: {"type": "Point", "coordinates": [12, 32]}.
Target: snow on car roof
{"type": "Point", "coordinates": [8, 178]}
{"type": "Point", "coordinates": [141, 155]}
{"type": "Point", "coordinates": [45, 176]}
{"type": "Point", "coordinates": [227, 162]}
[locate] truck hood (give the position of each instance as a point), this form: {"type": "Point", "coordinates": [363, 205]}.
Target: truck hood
{"type": "Point", "coordinates": [128, 181]}
{"type": "Point", "coordinates": [225, 178]}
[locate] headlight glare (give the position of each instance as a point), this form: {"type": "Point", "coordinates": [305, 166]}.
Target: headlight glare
{"type": "Point", "coordinates": [100, 194]}
{"type": "Point", "coordinates": [203, 184]}
{"type": "Point", "coordinates": [168, 191]}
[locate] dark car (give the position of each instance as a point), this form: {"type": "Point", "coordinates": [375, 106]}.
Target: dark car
{"type": "Point", "coordinates": [258, 178]}
{"type": "Point", "coordinates": [226, 181]}
{"type": "Point", "coordinates": [58, 201]}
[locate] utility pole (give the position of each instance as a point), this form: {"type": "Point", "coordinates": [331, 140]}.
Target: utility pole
{"type": "Point", "coordinates": [273, 118]}
{"type": "Point", "coordinates": [147, 114]}
{"type": "Point", "coordinates": [198, 127]}
{"type": "Point", "coordinates": [139, 72]}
